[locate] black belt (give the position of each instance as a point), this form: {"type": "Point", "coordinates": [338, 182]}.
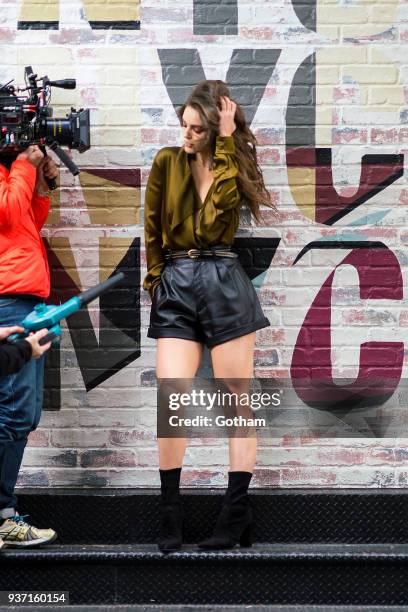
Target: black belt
{"type": "Point", "coordinates": [196, 253]}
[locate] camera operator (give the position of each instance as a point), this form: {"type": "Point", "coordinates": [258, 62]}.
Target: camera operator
{"type": "Point", "coordinates": [24, 283]}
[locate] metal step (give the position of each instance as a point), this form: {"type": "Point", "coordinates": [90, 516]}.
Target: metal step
{"type": "Point", "coordinates": [269, 574]}
{"type": "Point", "coordinates": [108, 516]}
{"type": "Point", "coordinates": [213, 608]}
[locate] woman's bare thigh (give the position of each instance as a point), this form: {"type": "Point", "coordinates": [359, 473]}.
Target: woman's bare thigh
{"type": "Point", "coordinates": [233, 362]}
{"type": "Point", "coordinates": [178, 358]}
{"type": "Point", "coordinates": [234, 358]}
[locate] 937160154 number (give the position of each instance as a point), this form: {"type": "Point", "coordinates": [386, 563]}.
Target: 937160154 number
{"type": "Point", "coordinates": [34, 597]}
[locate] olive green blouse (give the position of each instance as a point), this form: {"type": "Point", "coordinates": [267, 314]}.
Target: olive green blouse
{"type": "Point", "coordinates": [174, 216]}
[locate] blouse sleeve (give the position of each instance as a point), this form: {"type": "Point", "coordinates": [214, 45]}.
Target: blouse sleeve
{"type": "Point", "coordinates": [225, 171]}
{"type": "Point", "coordinates": [152, 226]}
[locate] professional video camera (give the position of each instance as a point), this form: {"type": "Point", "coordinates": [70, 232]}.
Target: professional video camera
{"type": "Point", "coordinates": [28, 120]}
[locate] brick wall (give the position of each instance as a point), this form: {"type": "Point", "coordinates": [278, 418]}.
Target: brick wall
{"type": "Point", "coordinates": [324, 84]}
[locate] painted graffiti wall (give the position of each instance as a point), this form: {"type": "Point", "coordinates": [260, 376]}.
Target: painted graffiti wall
{"type": "Point", "coordinates": [324, 84]}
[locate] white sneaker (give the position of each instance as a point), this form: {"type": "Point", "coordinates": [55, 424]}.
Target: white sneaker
{"type": "Point", "coordinates": [17, 533]}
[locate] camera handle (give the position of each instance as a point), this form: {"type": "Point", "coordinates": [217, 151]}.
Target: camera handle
{"type": "Point", "coordinates": [66, 160]}
{"type": "Point", "coordinates": [52, 183]}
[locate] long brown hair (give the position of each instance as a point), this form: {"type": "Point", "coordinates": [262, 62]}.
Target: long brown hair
{"type": "Point", "coordinates": [206, 99]}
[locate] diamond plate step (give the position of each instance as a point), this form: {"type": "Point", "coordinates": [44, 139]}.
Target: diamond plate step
{"type": "Point", "coordinates": [213, 608]}
{"type": "Point", "coordinates": [109, 516]}
{"type": "Point", "coordinates": [278, 574]}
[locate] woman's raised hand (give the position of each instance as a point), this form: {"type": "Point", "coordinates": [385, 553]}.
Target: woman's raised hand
{"type": "Point", "coordinates": [227, 114]}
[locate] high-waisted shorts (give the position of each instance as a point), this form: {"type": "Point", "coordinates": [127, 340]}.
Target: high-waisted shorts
{"type": "Point", "coordinates": [209, 300]}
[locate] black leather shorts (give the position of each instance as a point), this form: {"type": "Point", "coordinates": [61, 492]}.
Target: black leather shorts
{"type": "Point", "coordinates": [210, 300]}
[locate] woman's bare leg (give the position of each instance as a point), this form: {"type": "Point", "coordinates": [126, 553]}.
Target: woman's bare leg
{"type": "Point", "coordinates": [235, 359]}
{"type": "Point", "coordinates": [233, 362]}
{"type": "Point", "coordinates": [176, 358]}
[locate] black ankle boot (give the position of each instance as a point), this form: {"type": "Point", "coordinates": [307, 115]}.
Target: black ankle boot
{"type": "Point", "coordinates": [235, 520]}
{"type": "Point", "coordinates": [170, 537]}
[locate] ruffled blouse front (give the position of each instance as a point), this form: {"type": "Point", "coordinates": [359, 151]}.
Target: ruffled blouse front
{"type": "Point", "coordinates": [175, 218]}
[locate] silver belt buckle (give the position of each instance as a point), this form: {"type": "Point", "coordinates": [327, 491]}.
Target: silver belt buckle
{"type": "Point", "coordinates": [193, 253]}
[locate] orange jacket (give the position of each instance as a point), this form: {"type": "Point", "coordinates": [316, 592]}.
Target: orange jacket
{"type": "Point", "coordinates": [23, 260]}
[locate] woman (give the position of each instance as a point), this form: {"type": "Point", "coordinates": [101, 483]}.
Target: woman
{"type": "Point", "coordinates": [200, 292]}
